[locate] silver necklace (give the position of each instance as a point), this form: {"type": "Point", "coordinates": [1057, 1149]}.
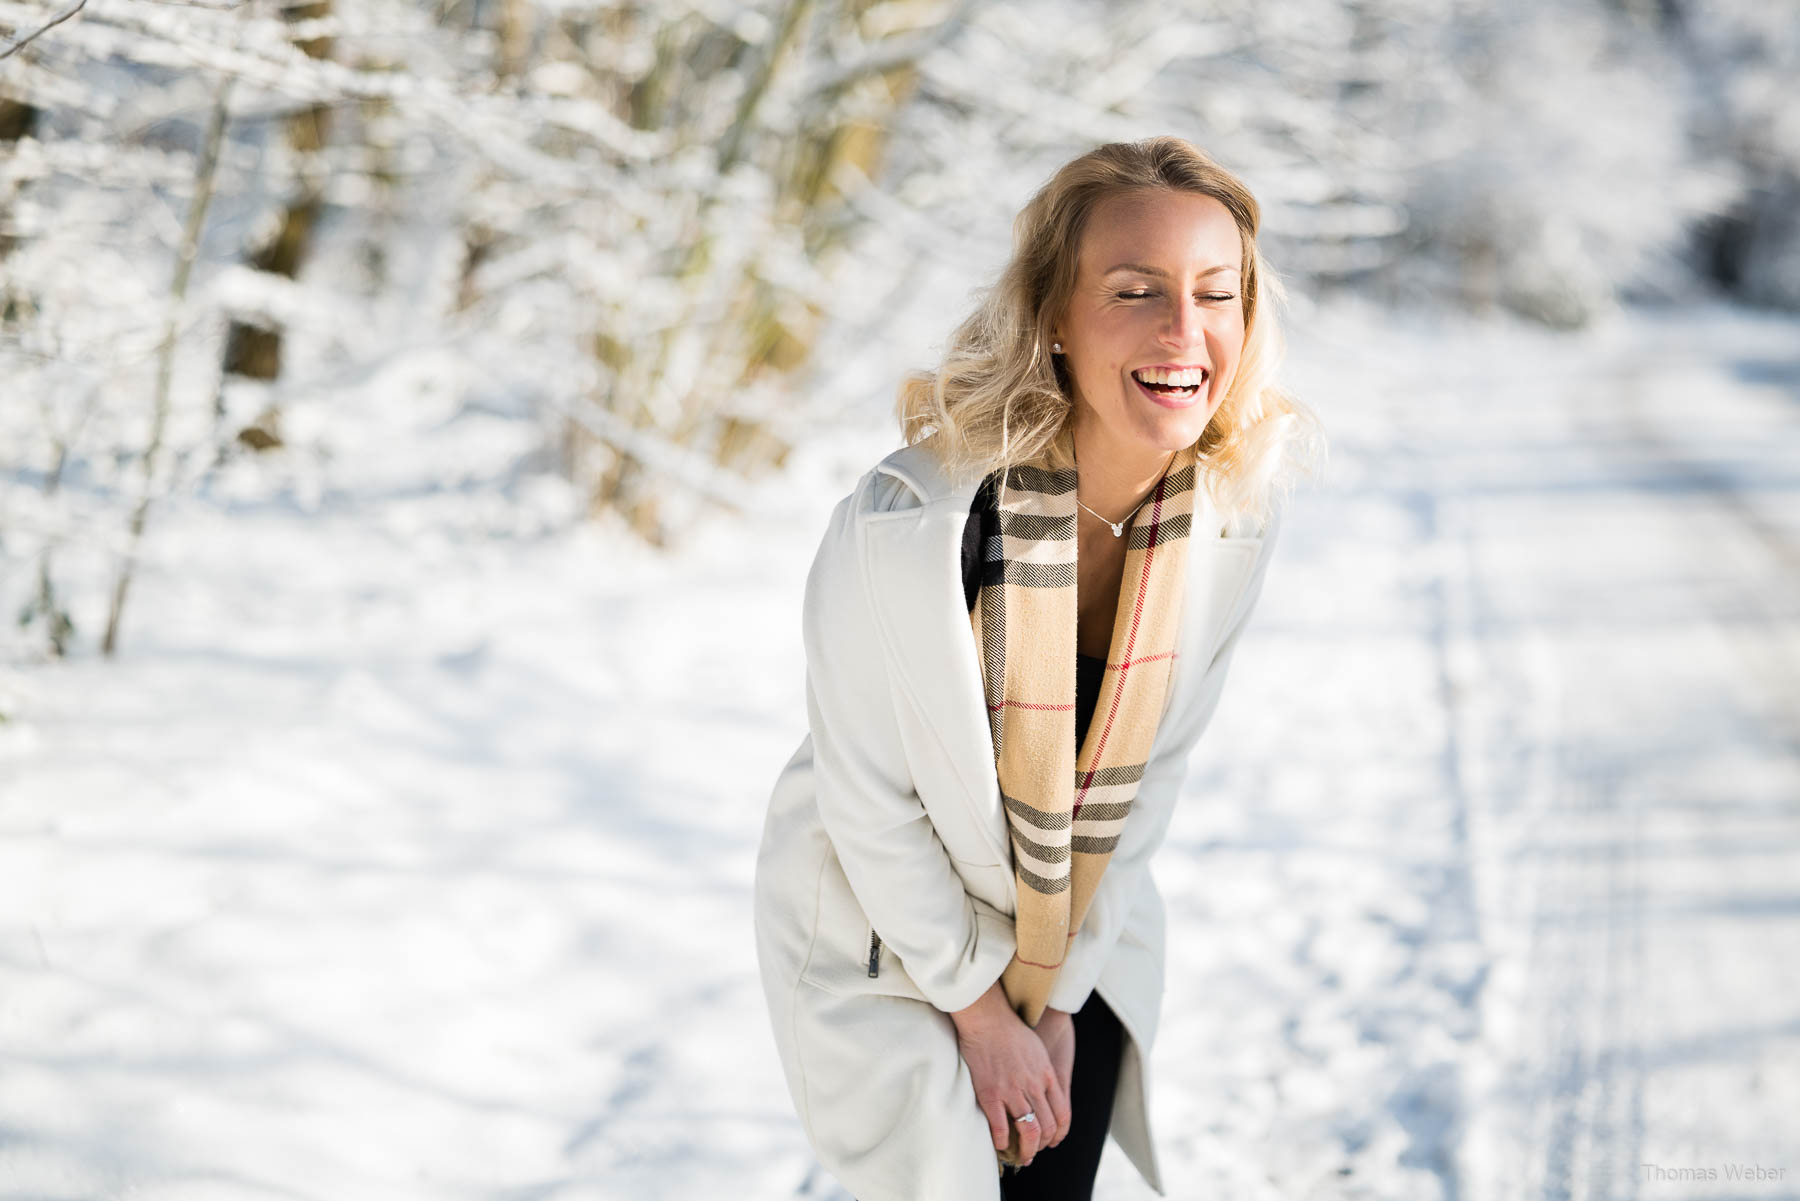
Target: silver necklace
{"type": "Point", "coordinates": [1118, 527]}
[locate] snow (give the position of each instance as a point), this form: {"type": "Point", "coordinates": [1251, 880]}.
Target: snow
{"type": "Point", "coordinates": [406, 849]}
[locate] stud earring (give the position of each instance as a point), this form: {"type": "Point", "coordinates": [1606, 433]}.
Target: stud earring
{"type": "Point", "coordinates": [1056, 348]}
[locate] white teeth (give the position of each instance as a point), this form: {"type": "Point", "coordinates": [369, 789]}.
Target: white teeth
{"type": "Point", "coordinates": [1185, 377]}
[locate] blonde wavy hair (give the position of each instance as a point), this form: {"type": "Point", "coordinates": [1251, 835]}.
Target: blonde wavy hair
{"type": "Point", "coordinates": [1000, 398]}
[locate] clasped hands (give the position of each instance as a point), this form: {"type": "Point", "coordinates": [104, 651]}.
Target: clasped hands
{"type": "Point", "coordinates": [1018, 1069]}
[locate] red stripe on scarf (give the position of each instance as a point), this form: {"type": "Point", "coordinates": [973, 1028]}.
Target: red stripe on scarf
{"type": "Point", "coordinates": [1137, 612]}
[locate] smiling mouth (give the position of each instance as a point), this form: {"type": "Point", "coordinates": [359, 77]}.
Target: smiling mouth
{"type": "Point", "coordinates": [1194, 381]}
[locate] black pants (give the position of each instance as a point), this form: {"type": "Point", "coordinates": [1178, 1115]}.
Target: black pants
{"type": "Point", "coordinates": [1066, 1171]}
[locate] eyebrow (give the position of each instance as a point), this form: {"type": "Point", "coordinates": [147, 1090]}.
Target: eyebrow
{"type": "Point", "coordinates": [1141, 269]}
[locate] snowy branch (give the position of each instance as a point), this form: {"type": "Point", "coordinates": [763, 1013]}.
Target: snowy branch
{"type": "Point", "coordinates": [17, 44]}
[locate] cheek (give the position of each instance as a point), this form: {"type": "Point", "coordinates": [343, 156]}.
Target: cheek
{"type": "Point", "coordinates": [1227, 347]}
{"type": "Point", "coordinates": [1101, 326]}
{"type": "Point", "coordinates": [1229, 335]}
{"type": "Point", "coordinates": [1110, 341]}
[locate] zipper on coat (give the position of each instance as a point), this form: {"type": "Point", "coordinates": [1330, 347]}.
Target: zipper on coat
{"type": "Point", "coordinates": [874, 952]}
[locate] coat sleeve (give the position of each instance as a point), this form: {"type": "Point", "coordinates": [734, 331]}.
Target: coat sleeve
{"type": "Point", "coordinates": [1129, 868]}
{"type": "Point", "coordinates": [952, 946]}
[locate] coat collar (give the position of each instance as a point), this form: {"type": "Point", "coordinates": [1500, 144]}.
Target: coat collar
{"type": "Point", "coordinates": [914, 565]}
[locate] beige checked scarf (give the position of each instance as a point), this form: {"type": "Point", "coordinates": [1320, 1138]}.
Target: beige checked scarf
{"type": "Point", "coordinates": [1066, 807]}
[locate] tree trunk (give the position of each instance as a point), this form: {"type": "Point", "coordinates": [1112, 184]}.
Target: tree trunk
{"type": "Point", "coordinates": [252, 350]}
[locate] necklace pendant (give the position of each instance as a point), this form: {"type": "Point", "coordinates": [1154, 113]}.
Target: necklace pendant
{"type": "Point", "coordinates": [1118, 528]}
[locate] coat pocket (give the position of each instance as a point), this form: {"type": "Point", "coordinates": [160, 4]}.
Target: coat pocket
{"type": "Point", "coordinates": [848, 956]}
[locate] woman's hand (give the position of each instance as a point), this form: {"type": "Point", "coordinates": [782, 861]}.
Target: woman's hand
{"type": "Point", "coordinates": [1056, 1030]}
{"type": "Point", "coordinates": [1013, 1074]}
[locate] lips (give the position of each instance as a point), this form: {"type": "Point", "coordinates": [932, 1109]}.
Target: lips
{"type": "Point", "coordinates": [1172, 386]}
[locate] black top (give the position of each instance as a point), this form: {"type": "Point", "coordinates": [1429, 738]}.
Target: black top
{"type": "Point", "coordinates": [984, 523]}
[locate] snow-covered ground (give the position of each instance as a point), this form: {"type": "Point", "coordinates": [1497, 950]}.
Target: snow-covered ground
{"type": "Point", "coordinates": [406, 850]}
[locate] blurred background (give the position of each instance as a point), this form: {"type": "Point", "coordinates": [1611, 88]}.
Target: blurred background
{"type": "Point", "coordinates": [417, 418]}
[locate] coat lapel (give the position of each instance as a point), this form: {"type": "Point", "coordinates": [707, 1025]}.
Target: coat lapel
{"type": "Point", "coordinates": [914, 563]}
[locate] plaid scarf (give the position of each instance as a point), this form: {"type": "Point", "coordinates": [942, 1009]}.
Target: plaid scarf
{"type": "Point", "coordinates": [1066, 807]}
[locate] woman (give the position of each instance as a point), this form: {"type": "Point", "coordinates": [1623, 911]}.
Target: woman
{"type": "Point", "coordinates": [1017, 627]}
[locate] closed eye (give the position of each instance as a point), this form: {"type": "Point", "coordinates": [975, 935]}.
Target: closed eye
{"type": "Point", "coordinates": [1144, 294]}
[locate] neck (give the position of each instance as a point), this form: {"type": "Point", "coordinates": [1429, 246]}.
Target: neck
{"type": "Point", "coordinates": [1114, 479]}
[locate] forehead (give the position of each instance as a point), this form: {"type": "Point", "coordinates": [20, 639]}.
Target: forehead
{"type": "Point", "coordinates": [1178, 232]}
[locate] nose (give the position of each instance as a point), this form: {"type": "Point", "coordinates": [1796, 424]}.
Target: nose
{"type": "Point", "coordinates": [1183, 326]}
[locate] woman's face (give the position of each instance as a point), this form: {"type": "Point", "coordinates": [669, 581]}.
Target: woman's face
{"type": "Point", "coordinates": [1157, 301]}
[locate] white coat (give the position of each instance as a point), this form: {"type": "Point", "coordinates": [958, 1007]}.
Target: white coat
{"type": "Point", "coordinates": [888, 819]}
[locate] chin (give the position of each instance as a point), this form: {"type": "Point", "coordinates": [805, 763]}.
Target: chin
{"type": "Point", "coordinates": [1169, 429]}
{"type": "Point", "coordinates": [1175, 431]}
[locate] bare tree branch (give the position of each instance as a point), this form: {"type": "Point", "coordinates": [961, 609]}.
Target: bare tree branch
{"type": "Point", "coordinates": [184, 265]}
{"type": "Point", "coordinates": [20, 43]}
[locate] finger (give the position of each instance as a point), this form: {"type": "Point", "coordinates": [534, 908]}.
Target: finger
{"type": "Point", "coordinates": [999, 1125]}
{"type": "Point", "coordinates": [1061, 1110]}
{"type": "Point", "coordinates": [1039, 1131]}
{"type": "Point", "coordinates": [1032, 1134]}
{"type": "Point", "coordinates": [1049, 1124]}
